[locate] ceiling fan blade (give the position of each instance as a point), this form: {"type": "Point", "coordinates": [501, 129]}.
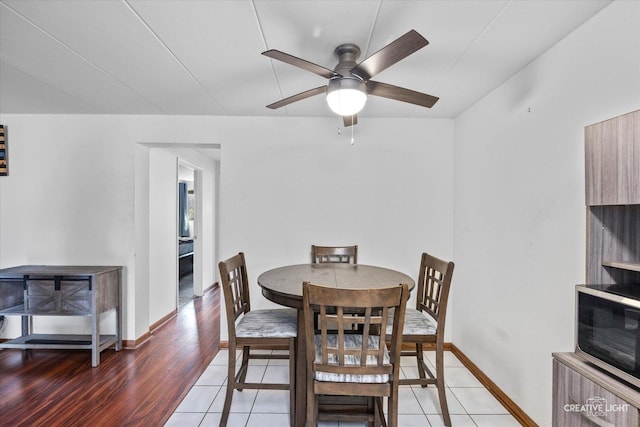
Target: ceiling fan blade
{"type": "Point", "coordinates": [350, 120]}
{"type": "Point", "coordinates": [400, 94]}
{"type": "Point", "coordinates": [301, 63]}
{"type": "Point", "coordinates": [390, 54]}
{"type": "Point", "coordinates": [298, 97]}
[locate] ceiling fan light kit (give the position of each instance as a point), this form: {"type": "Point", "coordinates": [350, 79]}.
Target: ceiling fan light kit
{"type": "Point", "coordinates": [346, 96]}
{"type": "Point", "coordinates": [349, 82]}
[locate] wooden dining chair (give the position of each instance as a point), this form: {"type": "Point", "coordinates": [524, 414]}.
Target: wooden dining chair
{"type": "Point", "coordinates": [349, 364]}
{"type": "Point", "coordinates": [333, 254]}
{"type": "Point", "coordinates": [337, 254]}
{"type": "Point", "coordinates": [425, 324]}
{"type": "Point", "coordinates": [247, 328]}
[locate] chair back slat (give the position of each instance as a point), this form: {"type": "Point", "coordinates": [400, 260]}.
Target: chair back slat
{"type": "Point", "coordinates": [359, 351]}
{"type": "Point", "coordinates": [323, 334]}
{"type": "Point", "coordinates": [235, 286]}
{"type": "Point", "coordinates": [434, 282]}
{"type": "Point", "coordinates": [334, 254]}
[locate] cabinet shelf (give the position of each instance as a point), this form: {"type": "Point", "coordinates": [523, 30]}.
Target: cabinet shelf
{"type": "Point", "coordinates": [622, 265]}
{"type": "Point", "coordinates": [58, 341]}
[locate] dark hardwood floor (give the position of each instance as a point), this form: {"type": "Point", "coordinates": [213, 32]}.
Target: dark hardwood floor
{"type": "Point", "coordinates": [140, 387]}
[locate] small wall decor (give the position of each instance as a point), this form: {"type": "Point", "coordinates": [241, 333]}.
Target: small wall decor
{"type": "Point", "coordinates": [4, 165]}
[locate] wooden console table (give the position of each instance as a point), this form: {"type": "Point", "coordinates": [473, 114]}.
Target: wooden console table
{"type": "Point", "coordinates": [47, 290]}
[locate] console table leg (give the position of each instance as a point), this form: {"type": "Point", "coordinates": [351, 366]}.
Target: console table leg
{"type": "Point", "coordinates": [95, 340]}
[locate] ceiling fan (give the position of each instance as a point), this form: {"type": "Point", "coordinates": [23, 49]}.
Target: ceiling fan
{"type": "Point", "coordinates": [349, 82]}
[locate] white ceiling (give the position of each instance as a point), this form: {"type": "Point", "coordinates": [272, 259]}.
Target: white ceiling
{"type": "Point", "coordinates": [203, 57]}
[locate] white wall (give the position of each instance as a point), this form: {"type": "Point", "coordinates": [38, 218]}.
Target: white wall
{"type": "Point", "coordinates": [288, 185]}
{"type": "Point", "coordinates": [163, 233]}
{"type": "Point", "coordinates": [73, 197]}
{"type": "Point", "coordinates": [78, 193]}
{"type": "Point", "coordinates": [519, 242]}
{"type": "Point", "coordinates": [68, 198]}
{"type": "Point", "coordinates": [162, 243]}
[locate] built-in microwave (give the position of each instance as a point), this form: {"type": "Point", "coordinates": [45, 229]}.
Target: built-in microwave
{"type": "Point", "coordinates": [608, 328]}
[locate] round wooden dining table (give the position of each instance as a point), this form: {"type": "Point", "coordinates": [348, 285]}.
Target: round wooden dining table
{"type": "Point", "coordinates": [283, 285]}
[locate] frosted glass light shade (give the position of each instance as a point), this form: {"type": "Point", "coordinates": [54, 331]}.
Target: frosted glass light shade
{"type": "Point", "coordinates": [346, 96]}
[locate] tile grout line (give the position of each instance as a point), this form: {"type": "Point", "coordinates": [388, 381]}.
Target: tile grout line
{"type": "Point", "coordinates": [450, 390]}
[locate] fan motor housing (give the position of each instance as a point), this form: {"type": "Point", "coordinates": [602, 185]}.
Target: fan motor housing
{"type": "Point", "coordinates": [347, 55]}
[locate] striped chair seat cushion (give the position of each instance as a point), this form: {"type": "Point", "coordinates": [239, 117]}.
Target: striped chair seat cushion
{"type": "Point", "coordinates": [270, 323]}
{"type": "Point", "coordinates": [350, 341]}
{"type": "Point", "coordinates": [415, 323]}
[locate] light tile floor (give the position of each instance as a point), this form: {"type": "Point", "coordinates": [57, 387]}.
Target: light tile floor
{"type": "Point", "coordinates": [470, 404]}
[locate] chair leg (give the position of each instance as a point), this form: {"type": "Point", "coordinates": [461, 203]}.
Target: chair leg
{"type": "Point", "coordinates": [420, 360]}
{"type": "Point", "coordinates": [231, 377]}
{"type": "Point", "coordinates": [312, 405]}
{"type": "Point", "coordinates": [372, 408]}
{"type": "Point", "coordinates": [245, 365]}
{"type": "Point", "coordinates": [392, 409]}
{"type": "Point", "coordinates": [312, 409]}
{"type": "Point", "coordinates": [440, 384]}
{"type": "Point", "coordinates": [292, 381]}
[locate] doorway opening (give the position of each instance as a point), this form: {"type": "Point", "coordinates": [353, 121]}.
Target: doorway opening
{"type": "Point", "coordinates": [187, 226]}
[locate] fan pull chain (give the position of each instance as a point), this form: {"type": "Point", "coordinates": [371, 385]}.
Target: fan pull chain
{"type": "Point", "coordinates": [352, 140]}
